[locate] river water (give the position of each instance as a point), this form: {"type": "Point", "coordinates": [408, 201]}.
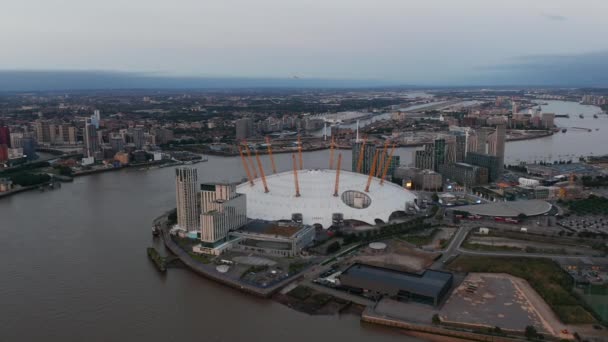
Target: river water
{"type": "Point", "coordinates": [74, 266]}
{"type": "Point", "coordinates": [574, 143]}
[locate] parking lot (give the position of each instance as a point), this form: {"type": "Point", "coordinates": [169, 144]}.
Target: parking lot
{"type": "Point", "coordinates": [497, 300]}
{"type": "Point", "coordinates": [591, 223]}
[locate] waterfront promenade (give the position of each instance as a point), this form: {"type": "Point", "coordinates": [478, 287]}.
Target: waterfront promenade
{"type": "Point", "coordinates": [209, 271]}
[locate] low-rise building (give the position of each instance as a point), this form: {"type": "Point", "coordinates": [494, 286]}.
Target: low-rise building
{"type": "Point", "coordinates": [429, 287]}
{"type": "Point", "coordinates": [282, 238]}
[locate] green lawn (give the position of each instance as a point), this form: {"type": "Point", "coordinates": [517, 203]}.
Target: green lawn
{"type": "Point", "coordinates": [489, 248]}
{"type": "Point", "coordinates": [420, 240]}
{"type": "Point", "coordinates": [300, 293]}
{"type": "Point", "coordinates": [552, 283]}
{"type": "Point", "coordinates": [590, 206]}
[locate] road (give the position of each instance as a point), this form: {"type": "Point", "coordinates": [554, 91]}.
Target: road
{"type": "Point", "coordinates": [455, 249]}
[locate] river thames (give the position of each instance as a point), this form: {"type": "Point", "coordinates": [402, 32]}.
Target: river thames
{"type": "Point", "coordinates": [75, 268]}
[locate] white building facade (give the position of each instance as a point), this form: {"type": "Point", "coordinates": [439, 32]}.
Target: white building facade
{"type": "Point", "coordinates": [222, 210]}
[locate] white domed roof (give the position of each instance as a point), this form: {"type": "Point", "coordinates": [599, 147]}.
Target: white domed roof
{"type": "Point", "coordinates": [317, 203]}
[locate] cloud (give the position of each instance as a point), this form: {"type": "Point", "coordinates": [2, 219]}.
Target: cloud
{"type": "Point", "coordinates": [586, 69]}
{"type": "Point", "coordinates": [554, 17]}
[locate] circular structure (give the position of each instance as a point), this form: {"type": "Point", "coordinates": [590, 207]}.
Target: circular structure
{"type": "Point", "coordinates": [222, 268]}
{"type": "Point", "coordinates": [317, 202]}
{"type": "Point", "coordinates": [377, 246]}
{"type": "Point", "coordinates": [356, 199]}
{"type": "Point", "coordinates": [509, 209]}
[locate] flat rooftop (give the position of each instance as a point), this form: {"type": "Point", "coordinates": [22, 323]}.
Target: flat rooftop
{"type": "Point", "coordinates": [430, 283]}
{"type": "Point", "coordinates": [270, 228]}
{"type": "Point", "coordinates": [509, 209]}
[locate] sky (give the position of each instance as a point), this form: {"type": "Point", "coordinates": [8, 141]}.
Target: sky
{"type": "Point", "coordinates": [422, 42]}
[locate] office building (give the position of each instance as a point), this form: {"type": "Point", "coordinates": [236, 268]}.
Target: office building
{"type": "Point", "coordinates": [427, 180]}
{"type": "Point", "coordinates": [43, 131]}
{"type": "Point", "coordinates": [5, 136]}
{"type": "Point", "coordinates": [62, 134]}
{"type": "Point", "coordinates": [186, 197]}
{"type": "Point", "coordinates": [424, 158]}
{"type": "Point", "coordinates": [66, 135]}
{"type": "Point", "coordinates": [487, 149]}
{"type": "Point", "coordinates": [492, 163]}
{"type": "Point", "coordinates": [482, 138]}
{"type": "Point", "coordinates": [117, 143]}
{"type": "Point", "coordinates": [439, 153]}
{"type": "Point", "coordinates": [222, 210]}
{"type": "Point", "coordinates": [163, 135]}
{"type": "Point", "coordinates": [496, 145]}
{"type": "Point", "coordinates": [465, 174]}
{"type": "Point", "coordinates": [96, 118]}
{"type": "Point", "coordinates": [244, 128]}
{"type": "Point", "coordinates": [392, 166]}
{"type": "Point", "coordinates": [91, 140]}
{"type": "Point", "coordinates": [368, 156]}
{"type": "Point", "coordinates": [25, 142]}
{"type": "Point", "coordinates": [461, 147]}
{"type": "Point", "coordinates": [138, 137]}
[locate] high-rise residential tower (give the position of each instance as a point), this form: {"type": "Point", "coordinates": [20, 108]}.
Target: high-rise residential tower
{"type": "Point", "coordinates": [244, 128]}
{"type": "Point", "coordinates": [186, 182]}
{"type": "Point", "coordinates": [90, 139]}
{"type": "Point", "coordinates": [368, 156]}
{"type": "Point", "coordinates": [222, 210]}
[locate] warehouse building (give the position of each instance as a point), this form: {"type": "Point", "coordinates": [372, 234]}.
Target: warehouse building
{"type": "Point", "coordinates": [429, 287]}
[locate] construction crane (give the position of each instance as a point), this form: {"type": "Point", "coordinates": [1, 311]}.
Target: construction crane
{"type": "Point", "coordinates": [381, 166]}
{"type": "Point", "coordinates": [295, 175]}
{"type": "Point", "coordinates": [255, 173]}
{"type": "Point", "coordinates": [300, 152]}
{"type": "Point", "coordinates": [371, 172]}
{"type": "Point", "coordinates": [331, 153]}
{"type": "Point", "coordinates": [257, 157]}
{"type": "Point", "coordinates": [387, 164]}
{"type": "Point", "coordinates": [361, 154]}
{"type": "Point", "coordinates": [274, 167]}
{"type": "Point", "coordinates": [338, 175]}
{"type": "Point", "coordinates": [245, 165]}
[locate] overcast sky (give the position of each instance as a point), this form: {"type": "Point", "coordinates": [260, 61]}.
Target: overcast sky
{"type": "Point", "coordinates": [410, 41]}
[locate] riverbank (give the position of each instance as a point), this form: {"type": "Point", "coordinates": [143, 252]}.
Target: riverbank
{"type": "Point", "coordinates": [436, 331]}
{"type": "Point", "coordinates": [210, 272]}
{"type": "Point", "coordinates": [22, 189]}
{"type": "Point", "coordinates": [531, 137]}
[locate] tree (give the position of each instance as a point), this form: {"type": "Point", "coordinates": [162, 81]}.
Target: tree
{"type": "Point", "coordinates": [522, 216]}
{"type": "Point", "coordinates": [436, 319]}
{"type": "Point", "coordinates": [531, 332]}
{"type": "Point", "coordinates": [333, 247]}
{"type": "Point", "coordinates": [435, 197]}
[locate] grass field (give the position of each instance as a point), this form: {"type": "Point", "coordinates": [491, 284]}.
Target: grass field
{"type": "Point", "coordinates": [420, 240]}
{"type": "Point", "coordinates": [593, 205]}
{"type": "Point", "coordinates": [546, 277]}
{"type": "Point", "coordinates": [489, 248]}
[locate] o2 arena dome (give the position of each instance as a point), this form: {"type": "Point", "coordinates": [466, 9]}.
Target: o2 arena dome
{"type": "Point", "coordinates": [318, 202]}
